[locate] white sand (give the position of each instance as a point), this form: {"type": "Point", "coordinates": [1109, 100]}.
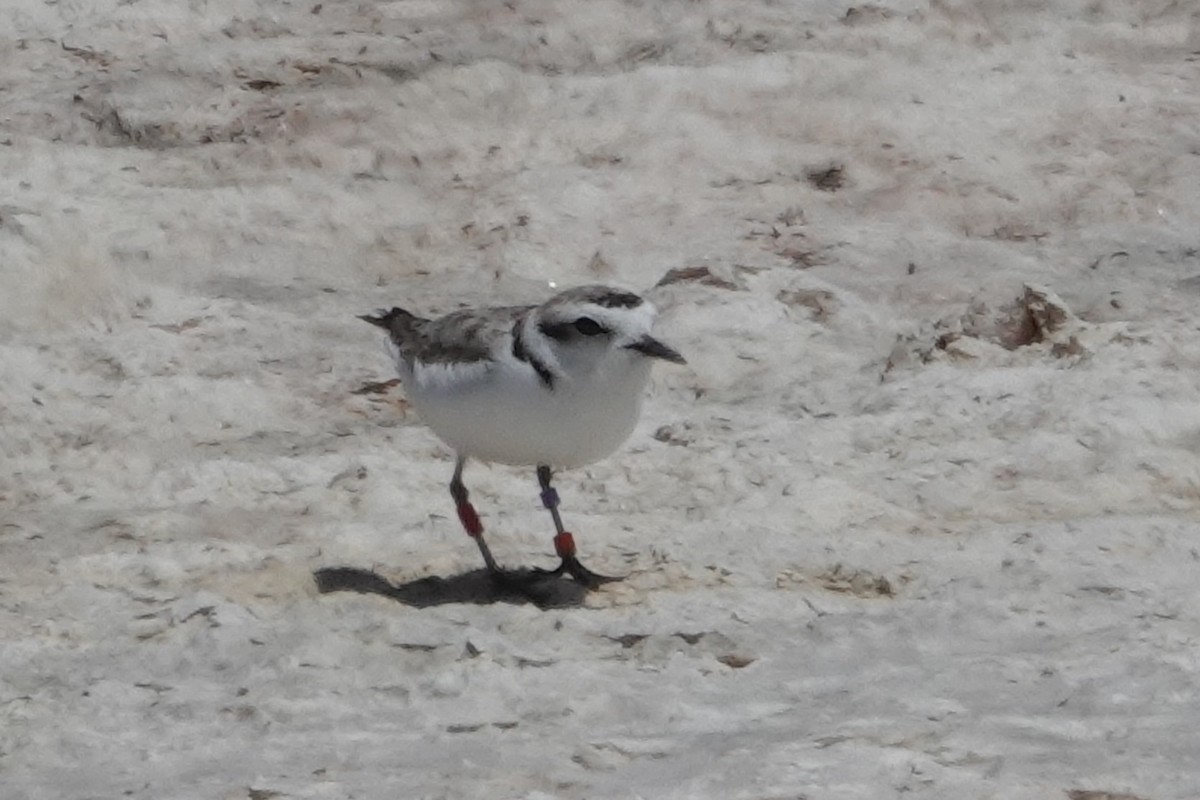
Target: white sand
{"type": "Point", "coordinates": [873, 552]}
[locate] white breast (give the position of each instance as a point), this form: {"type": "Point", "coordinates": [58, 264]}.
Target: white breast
{"type": "Point", "coordinates": [502, 412]}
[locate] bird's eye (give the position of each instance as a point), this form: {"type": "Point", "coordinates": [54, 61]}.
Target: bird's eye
{"type": "Point", "coordinates": [588, 326]}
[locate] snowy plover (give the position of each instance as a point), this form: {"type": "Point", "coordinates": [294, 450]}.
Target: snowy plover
{"type": "Point", "coordinates": [558, 385]}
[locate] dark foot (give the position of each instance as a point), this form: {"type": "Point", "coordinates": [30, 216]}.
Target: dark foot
{"type": "Point", "coordinates": [583, 575]}
{"type": "Point", "coordinates": [564, 545]}
{"type": "Point", "coordinates": [521, 580]}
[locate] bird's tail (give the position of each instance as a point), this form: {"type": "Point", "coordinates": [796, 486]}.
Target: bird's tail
{"type": "Point", "coordinates": [400, 324]}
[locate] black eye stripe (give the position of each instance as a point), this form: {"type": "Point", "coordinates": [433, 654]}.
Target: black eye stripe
{"type": "Point", "coordinates": [561, 331]}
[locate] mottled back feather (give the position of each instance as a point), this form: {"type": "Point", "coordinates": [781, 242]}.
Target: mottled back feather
{"type": "Point", "coordinates": [463, 336]}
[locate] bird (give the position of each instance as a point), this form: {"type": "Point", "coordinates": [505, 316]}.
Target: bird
{"type": "Point", "coordinates": [553, 386]}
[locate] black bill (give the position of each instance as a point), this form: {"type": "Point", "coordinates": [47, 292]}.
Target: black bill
{"type": "Point", "coordinates": [649, 346]}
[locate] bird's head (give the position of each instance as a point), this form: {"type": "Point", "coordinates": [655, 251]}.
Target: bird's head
{"type": "Point", "coordinates": [596, 327]}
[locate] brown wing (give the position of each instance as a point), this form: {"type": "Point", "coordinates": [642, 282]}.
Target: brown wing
{"type": "Point", "coordinates": [465, 336]}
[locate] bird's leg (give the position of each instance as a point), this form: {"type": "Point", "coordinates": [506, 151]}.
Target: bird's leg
{"type": "Point", "coordinates": [468, 516]}
{"type": "Point", "coordinates": [564, 542]}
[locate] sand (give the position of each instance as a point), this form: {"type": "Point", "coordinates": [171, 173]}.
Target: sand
{"type": "Point", "coordinates": [919, 518]}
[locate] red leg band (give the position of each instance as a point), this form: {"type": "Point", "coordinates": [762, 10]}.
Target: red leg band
{"type": "Point", "coordinates": [470, 520]}
{"type": "Point", "coordinates": [564, 545]}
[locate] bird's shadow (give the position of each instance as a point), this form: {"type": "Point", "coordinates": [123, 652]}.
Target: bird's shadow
{"type": "Point", "coordinates": [479, 587]}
